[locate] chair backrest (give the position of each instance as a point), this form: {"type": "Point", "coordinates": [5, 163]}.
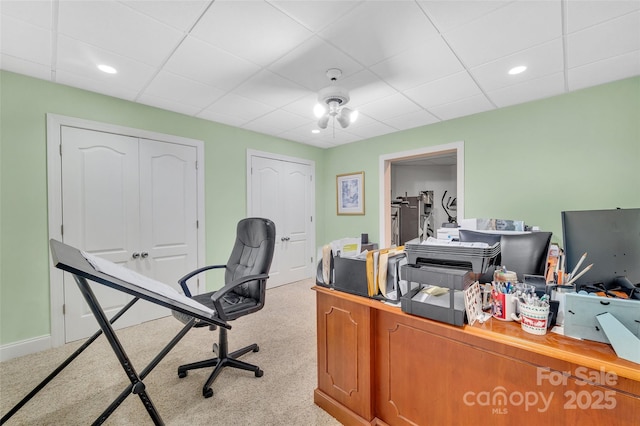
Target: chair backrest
{"type": "Point", "coordinates": [251, 255]}
{"type": "Point", "coordinates": [525, 253]}
{"type": "Point", "coordinates": [520, 253]}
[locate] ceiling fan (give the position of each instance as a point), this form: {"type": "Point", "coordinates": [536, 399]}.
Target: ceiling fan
{"type": "Point", "coordinates": [331, 103]}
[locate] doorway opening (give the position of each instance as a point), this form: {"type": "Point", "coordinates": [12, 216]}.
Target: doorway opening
{"type": "Point", "coordinates": [451, 154]}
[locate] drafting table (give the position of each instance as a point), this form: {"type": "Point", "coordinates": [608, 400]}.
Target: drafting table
{"type": "Point", "coordinates": [73, 261]}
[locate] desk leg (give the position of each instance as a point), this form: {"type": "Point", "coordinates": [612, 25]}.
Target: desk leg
{"type": "Point", "coordinates": [136, 383]}
{"type": "Point", "coordinates": [64, 365]}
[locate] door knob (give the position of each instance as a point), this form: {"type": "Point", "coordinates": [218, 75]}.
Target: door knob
{"type": "Point", "coordinates": [144, 254]}
{"type": "Point", "coordinates": [135, 255]}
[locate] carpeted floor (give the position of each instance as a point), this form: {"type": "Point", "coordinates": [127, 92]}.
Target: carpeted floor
{"type": "Point", "coordinates": [285, 330]}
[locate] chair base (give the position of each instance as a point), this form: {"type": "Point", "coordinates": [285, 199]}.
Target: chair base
{"type": "Point", "coordinates": [224, 359]}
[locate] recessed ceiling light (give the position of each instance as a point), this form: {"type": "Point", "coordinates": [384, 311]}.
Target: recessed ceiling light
{"type": "Point", "coordinates": [315, 131]}
{"type": "Point", "coordinates": [108, 69]}
{"type": "Point", "coordinates": [517, 70]}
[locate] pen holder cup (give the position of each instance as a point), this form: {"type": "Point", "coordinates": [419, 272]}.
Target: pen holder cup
{"type": "Point", "coordinates": [534, 319]}
{"type": "Point", "coordinates": [503, 306]}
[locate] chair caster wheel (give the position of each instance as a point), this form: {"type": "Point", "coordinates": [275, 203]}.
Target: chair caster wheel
{"type": "Point", "coordinates": [259, 373]}
{"type": "Point", "coordinates": [256, 349]}
{"type": "Point", "coordinates": [207, 393]}
{"type": "Point", "coordinates": [182, 374]}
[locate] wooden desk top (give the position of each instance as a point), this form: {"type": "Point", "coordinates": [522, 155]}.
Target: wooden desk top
{"type": "Point", "coordinates": [590, 354]}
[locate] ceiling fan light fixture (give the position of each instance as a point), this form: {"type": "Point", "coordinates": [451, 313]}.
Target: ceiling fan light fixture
{"type": "Point", "coordinates": [319, 110]}
{"type": "Point", "coordinates": [324, 121]}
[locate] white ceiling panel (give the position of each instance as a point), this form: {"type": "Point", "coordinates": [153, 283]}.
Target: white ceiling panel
{"type": "Point", "coordinates": [112, 26]}
{"type": "Point", "coordinates": [37, 13]}
{"type": "Point", "coordinates": [259, 65]}
{"type": "Point", "coordinates": [209, 65]}
{"type": "Point", "coordinates": [315, 15]}
{"type": "Point", "coordinates": [179, 15]}
{"type": "Point", "coordinates": [445, 90]}
{"type": "Point", "coordinates": [617, 68]}
{"type": "Point", "coordinates": [541, 60]}
{"type": "Point", "coordinates": [22, 40]}
{"type": "Point", "coordinates": [584, 14]}
{"type": "Point", "coordinates": [83, 59]}
{"type": "Point", "coordinates": [188, 92]}
{"type": "Point", "coordinates": [509, 29]}
{"type": "Point", "coordinates": [462, 107]}
{"type": "Point", "coordinates": [447, 15]}
{"type": "Point", "coordinates": [376, 30]}
{"type": "Point", "coordinates": [308, 63]}
{"type": "Point", "coordinates": [604, 41]}
{"type": "Point", "coordinates": [253, 30]}
{"type": "Point", "coordinates": [543, 87]}
{"type": "Point", "coordinates": [430, 61]}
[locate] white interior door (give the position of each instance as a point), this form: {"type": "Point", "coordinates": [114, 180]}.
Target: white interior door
{"type": "Point", "coordinates": [131, 201]}
{"type": "Point", "coordinates": [281, 191]}
{"type": "Point", "coordinates": [101, 214]}
{"type": "Point", "coordinates": [168, 215]}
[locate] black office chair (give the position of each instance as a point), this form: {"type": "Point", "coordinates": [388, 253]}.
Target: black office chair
{"type": "Point", "coordinates": [524, 254]}
{"type": "Point", "coordinates": [246, 274]}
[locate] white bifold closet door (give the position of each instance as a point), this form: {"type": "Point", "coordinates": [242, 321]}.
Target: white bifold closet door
{"type": "Point", "coordinates": [281, 191]}
{"type": "Point", "coordinates": [134, 202]}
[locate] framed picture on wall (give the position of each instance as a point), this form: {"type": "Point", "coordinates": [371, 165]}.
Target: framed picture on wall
{"type": "Point", "coordinates": [350, 193]}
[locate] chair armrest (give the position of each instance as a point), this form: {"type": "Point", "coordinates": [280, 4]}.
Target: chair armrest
{"type": "Point", "coordinates": [183, 281]}
{"type": "Point", "coordinates": [219, 294]}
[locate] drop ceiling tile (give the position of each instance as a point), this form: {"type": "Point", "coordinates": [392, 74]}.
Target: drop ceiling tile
{"type": "Point", "coordinates": [256, 31]}
{"type": "Point", "coordinates": [36, 13]}
{"type": "Point", "coordinates": [188, 92]}
{"type": "Point", "coordinates": [237, 106]}
{"type": "Point", "coordinates": [315, 15]}
{"type": "Point", "coordinates": [271, 89]}
{"type": "Point", "coordinates": [365, 87]}
{"type": "Point", "coordinates": [611, 69]}
{"type": "Point", "coordinates": [24, 41]}
{"type": "Point", "coordinates": [231, 120]}
{"type": "Point", "coordinates": [391, 106]}
{"type": "Point", "coordinates": [509, 29]}
{"type": "Point", "coordinates": [168, 104]}
{"type": "Point", "coordinates": [541, 60]}
{"type": "Point", "coordinates": [372, 130]}
{"type": "Point", "coordinates": [177, 14]}
{"type": "Point", "coordinates": [207, 64]}
{"type": "Point", "coordinates": [376, 30]}
{"type": "Point", "coordinates": [95, 85]}
{"type": "Point", "coordinates": [447, 15]}
{"type": "Point", "coordinates": [83, 59]}
{"type": "Point", "coordinates": [583, 14]}
{"type": "Point", "coordinates": [612, 38]}
{"type": "Point", "coordinates": [281, 120]}
{"type": "Point", "coordinates": [308, 63]}
{"type": "Point", "coordinates": [443, 91]}
{"type": "Point", "coordinates": [303, 106]}
{"type": "Point", "coordinates": [411, 120]}
{"type": "Point", "coordinates": [543, 87]}
{"type": "Point", "coordinates": [20, 66]}
{"type": "Point", "coordinates": [117, 28]}
{"type": "Point", "coordinates": [462, 107]}
{"type": "Point", "coordinates": [426, 62]}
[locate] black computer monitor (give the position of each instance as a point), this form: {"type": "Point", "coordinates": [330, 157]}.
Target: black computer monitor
{"type": "Point", "coordinates": [611, 239]}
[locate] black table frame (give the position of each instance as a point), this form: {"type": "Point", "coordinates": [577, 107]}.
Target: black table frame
{"type": "Point", "coordinates": [71, 260]}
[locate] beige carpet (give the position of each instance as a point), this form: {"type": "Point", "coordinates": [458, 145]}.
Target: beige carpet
{"type": "Point", "coordinates": [285, 330]}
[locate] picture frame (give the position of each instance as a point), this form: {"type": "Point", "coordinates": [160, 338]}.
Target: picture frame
{"type": "Point", "coordinates": [350, 193]}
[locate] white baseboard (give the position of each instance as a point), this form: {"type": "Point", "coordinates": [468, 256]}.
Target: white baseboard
{"type": "Point", "coordinates": [24, 347]}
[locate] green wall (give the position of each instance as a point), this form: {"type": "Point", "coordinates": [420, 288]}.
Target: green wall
{"type": "Point", "coordinates": [529, 162]}
{"type": "Point", "coordinates": [24, 103]}
{"type": "Point", "coordinates": [578, 151]}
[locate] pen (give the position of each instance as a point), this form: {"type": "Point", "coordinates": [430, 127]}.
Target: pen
{"type": "Point", "coordinates": [578, 264]}
{"type": "Point", "coordinates": [584, 271]}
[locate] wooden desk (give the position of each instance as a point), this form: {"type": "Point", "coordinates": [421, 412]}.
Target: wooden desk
{"type": "Point", "coordinates": [378, 365]}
